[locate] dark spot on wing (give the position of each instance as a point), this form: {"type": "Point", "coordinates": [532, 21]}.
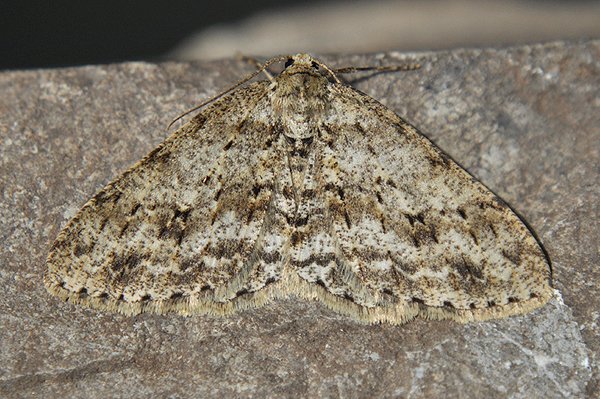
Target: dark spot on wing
{"type": "Point", "coordinates": [123, 229]}
{"type": "Point", "coordinates": [499, 202]}
{"type": "Point", "coordinates": [131, 261]}
{"type": "Point", "coordinates": [250, 215]}
{"type": "Point", "coordinates": [473, 236]}
{"type": "Point", "coordinates": [270, 280]}
{"type": "Point", "coordinates": [347, 219]}
{"type": "Point", "coordinates": [182, 214]}
{"type": "Point", "coordinates": [299, 221]}
{"type": "Point", "coordinates": [416, 241]}
{"type": "Point", "coordinates": [295, 238]}
{"type": "Point", "coordinates": [160, 154]}
{"type": "Point", "coordinates": [467, 269]}
{"type": "Point", "coordinates": [448, 304]}
{"type": "Point", "coordinates": [359, 128]}
{"type": "Point", "coordinates": [187, 263]}
{"type": "Point", "coordinates": [412, 219]}
{"type": "Point", "coordinates": [319, 259]}
{"type": "Point", "coordinates": [308, 193]}
{"type": "Point", "coordinates": [200, 120]}
{"type": "Point", "coordinates": [512, 254]}
{"type": "Point", "coordinates": [123, 267]}
{"type": "Point", "coordinates": [440, 159]}
{"type": "Point", "coordinates": [301, 152]}
{"type": "Point", "coordinates": [228, 145]}
{"type": "Point", "coordinates": [307, 141]}
{"type": "Point", "coordinates": [382, 221]}
{"type": "Point", "coordinates": [420, 217]}
{"type": "Point", "coordinates": [107, 195]}
{"type": "Point", "coordinates": [135, 209]}
{"type": "Point", "coordinates": [270, 257]}
{"type": "Point", "coordinates": [81, 249]}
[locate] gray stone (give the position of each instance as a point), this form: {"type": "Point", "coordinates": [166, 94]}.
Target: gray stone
{"type": "Point", "coordinates": [525, 120]}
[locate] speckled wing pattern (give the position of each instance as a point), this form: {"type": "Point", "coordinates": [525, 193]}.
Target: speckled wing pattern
{"type": "Point", "coordinates": [185, 224]}
{"type": "Point", "coordinates": [300, 186]}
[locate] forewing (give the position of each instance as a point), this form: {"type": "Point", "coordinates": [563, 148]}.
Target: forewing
{"type": "Point", "coordinates": [183, 228]}
{"type": "Point", "coordinates": [417, 230]}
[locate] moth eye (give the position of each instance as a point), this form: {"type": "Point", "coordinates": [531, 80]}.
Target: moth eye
{"type": "Point", "coordinates": [289, 62]}
{"type": "Point", "coordinates": [315, 65]}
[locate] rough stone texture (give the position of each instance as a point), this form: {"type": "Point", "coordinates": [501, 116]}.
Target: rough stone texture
{"type": "Point", "coordinates": [525, 120]}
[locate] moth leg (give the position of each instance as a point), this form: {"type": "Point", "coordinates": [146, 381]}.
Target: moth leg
{"type": "Point", "coordinates": [256, 63]}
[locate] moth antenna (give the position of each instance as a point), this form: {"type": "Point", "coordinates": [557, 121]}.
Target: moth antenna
{"type": "Point", "coordinates": [331, 71]}
{"type": "Point", "coordinates": [260, 69]}
{"type": "Point", "coordinates": [390, 68]}
{"type": "Point", "coordinates": [256, 63]}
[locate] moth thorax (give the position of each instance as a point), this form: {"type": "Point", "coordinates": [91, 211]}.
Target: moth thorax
{"type": "Point", "coordinates": [299, 101]}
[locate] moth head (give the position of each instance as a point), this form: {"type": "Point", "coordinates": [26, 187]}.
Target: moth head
{"type": "Point", "coordinates": [302, 63]}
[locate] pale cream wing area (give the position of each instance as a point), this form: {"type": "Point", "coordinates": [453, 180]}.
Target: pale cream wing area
{"type": "Point", "coordinates": [418, 233]}
{"type": "Point", "coordinates": [184, 228]}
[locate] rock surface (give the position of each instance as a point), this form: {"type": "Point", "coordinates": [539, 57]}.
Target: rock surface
{"type": "Point", "coordinates": [524, 120]}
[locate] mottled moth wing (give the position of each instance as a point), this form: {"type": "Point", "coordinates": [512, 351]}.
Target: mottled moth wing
{"type": "Point", "coordinates": [300, 186]}
{"type": "Point", "coordinates": [411, 232]}
{"type": "Point", "coordinates": [179, 231]}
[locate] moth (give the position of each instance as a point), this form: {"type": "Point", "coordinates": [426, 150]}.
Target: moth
{"type": "Point", "coordinates": [299, 185]}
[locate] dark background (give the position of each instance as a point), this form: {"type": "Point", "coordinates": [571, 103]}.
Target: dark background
{"type": "Point", "coordinates": [38, 34]}
{"type": "Point", "coordinates": [41, 34]}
